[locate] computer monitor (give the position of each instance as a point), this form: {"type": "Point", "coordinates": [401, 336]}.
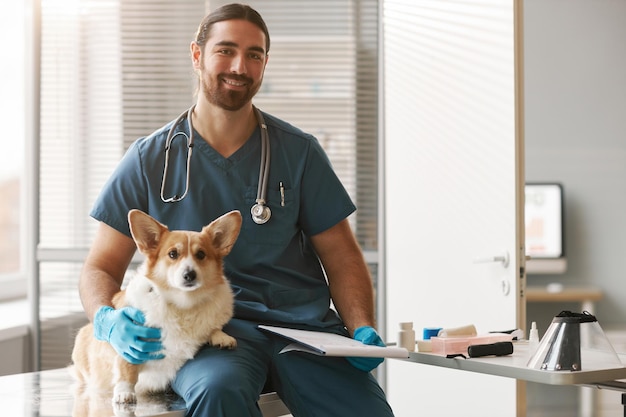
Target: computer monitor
{"type": "Point", "coordinates": [545, 228]}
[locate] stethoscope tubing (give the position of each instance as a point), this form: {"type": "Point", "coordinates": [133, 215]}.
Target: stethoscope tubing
{"type": "Point", "coordinates": [168, 145]}
{"type": "Point", "coordinates": [261, 213]}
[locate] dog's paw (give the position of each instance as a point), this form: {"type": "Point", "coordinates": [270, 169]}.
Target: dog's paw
{"type": "Point", "coordinates": [222, 340]}
{"type": "Point", "coordinates": [124, 394]}
{"type": "Point", "coordinates": [124, 398]}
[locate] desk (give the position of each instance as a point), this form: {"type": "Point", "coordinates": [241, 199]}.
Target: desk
{"type": "Point", "coordinates": [514, 366]}
{"type": "Point", "coordinates": [586, 296]}
{"type": "Point", "coordinates": [51, 393]}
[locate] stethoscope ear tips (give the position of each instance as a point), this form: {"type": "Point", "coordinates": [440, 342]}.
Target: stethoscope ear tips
{"type": "Point", "coordinates": [260, 213]}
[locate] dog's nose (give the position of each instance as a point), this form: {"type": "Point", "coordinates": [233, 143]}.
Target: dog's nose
{"type": "Point", "coordinates": [190, 276]}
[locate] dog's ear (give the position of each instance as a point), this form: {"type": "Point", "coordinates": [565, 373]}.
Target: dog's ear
{"type": "Point", "coordinates": [146, 231]}
{"type": "Point", "coordinates": [223, 231]}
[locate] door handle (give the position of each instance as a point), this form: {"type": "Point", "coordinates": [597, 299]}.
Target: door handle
{"type": "Point", "coordinates": [503, 258]}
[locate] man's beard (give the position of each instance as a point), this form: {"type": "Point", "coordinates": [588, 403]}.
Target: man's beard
{"type": "Point", "coordinates": [227, 99]}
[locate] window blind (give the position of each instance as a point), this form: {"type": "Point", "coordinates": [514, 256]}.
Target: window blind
{"type": "Point", "coordinates": [111, 71]}
{"type": "Point", "coordinates": [114, 71]}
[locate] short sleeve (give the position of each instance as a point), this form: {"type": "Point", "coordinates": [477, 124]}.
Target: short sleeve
{"type": "Point", "coordinates": [124, 190]}
{"type": "Point", "coordinates": [325, 201]}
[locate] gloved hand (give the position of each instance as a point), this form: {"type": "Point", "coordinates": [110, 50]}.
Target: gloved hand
{"type": "Point", "coordinates": [124, 330]}
{"type": "Point", "coordinates": [369, 336]}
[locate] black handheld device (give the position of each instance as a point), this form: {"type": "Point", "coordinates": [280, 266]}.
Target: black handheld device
{"type": "Point", "coordinates": [497, 349]}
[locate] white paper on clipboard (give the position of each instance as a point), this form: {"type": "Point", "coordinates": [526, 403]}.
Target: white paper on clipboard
{"type": "Point", "coordinates": [330, 344]}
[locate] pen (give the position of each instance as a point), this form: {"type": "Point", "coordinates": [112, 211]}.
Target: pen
{"type": "Point", "coordinates": [281, 187]}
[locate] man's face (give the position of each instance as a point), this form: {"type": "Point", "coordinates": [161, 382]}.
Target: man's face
{"type": "Point", "coordinates": [232, 65]}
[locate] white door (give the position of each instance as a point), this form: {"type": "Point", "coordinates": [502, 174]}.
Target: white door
{"type": "Point", "coordinates": [452, 181]}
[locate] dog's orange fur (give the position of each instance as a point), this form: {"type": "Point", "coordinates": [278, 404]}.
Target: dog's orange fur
{"type": "Point", "coordinates": [189, 314]}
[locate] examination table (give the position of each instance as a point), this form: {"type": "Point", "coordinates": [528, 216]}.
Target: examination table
{"type": "Point", "coordinates": [52, 394]}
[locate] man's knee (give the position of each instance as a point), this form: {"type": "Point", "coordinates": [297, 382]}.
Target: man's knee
{"type": "Point", "coordinates": [217, 386]}
{"type": "Point", "coordinates": [210, 395]}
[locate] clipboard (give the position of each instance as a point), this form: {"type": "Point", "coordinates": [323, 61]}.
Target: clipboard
{"type": "Point", "coordinates": [331, 344]}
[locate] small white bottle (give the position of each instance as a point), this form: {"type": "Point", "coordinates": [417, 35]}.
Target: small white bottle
{"type": "Point", "coordinates": [406, 336]}
{"type": "Point", "coordinates": [533, 339]}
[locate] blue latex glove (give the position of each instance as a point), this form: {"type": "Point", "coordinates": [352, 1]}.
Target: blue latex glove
{"type": "Point", "coordinates": [124, 330]}
{"type": "Point", "coordinates": [369, 336]}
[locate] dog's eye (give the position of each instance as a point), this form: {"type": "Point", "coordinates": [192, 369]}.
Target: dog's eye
{"type": "Point", "coordinates": [200, 255]}
{"type": "Point", "coordinates": [173, 254]}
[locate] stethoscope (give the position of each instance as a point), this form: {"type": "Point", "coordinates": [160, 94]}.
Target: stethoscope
{"type": "Point", "coordinates": [260, 212]}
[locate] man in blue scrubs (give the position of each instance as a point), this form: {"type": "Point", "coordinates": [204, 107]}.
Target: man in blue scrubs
{"type": "Point", "coordinates": [284, 272]}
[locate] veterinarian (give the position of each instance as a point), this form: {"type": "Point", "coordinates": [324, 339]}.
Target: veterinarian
{"type": "Point", "coordinates": [276, 267]}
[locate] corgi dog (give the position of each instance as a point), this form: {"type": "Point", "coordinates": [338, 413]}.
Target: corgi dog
{"type": "Point", "coordinates": [181, 289]}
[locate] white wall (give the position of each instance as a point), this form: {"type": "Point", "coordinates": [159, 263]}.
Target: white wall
{"type": "Point", "coordinates": [575, 87]}
{"type": "Point", "coordinates": [575, 95]}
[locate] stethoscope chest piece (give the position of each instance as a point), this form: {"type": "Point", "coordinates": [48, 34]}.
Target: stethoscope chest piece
{"type": "Point", "coordinates": [260, 213]}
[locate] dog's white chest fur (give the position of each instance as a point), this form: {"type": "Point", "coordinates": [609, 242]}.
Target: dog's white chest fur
{"type": "Point", "coordinates": [183, 331]}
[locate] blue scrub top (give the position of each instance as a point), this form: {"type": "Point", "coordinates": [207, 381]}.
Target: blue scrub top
{"type": "Point", "coordinates": [273, 269]}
